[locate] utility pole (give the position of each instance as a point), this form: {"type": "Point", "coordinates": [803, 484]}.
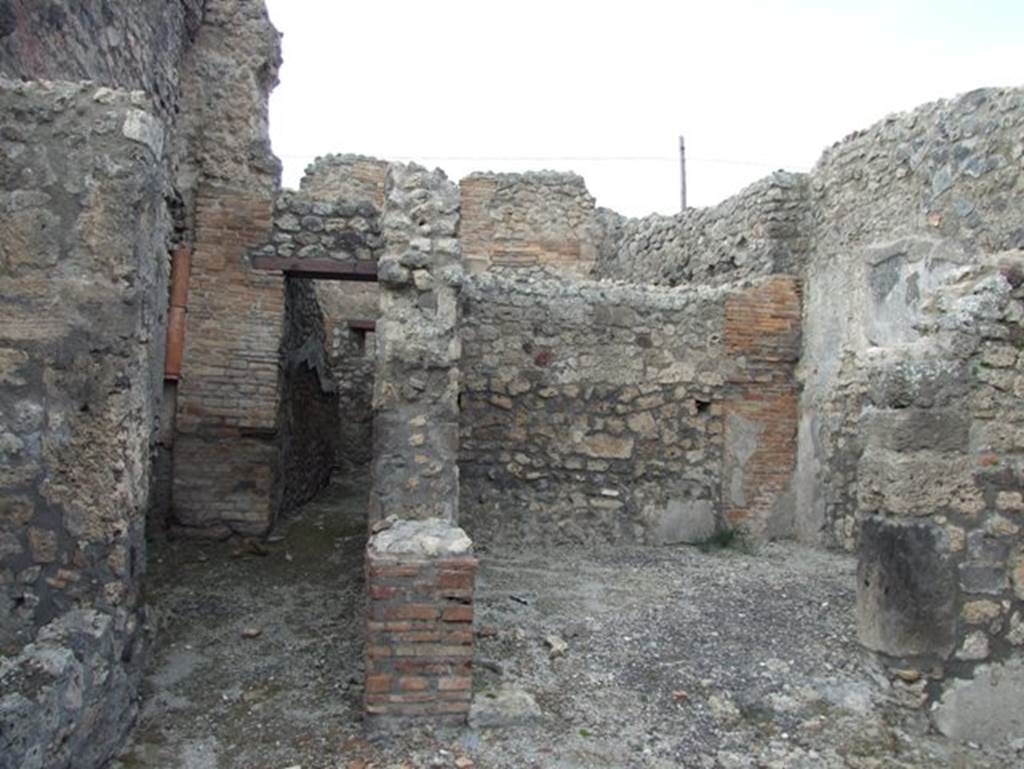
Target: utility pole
{"type": "Point", "coordinates": [682, 172]}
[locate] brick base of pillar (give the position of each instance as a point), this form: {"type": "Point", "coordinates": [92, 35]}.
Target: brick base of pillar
{"type": "Point", "coordinates": [419, 641]}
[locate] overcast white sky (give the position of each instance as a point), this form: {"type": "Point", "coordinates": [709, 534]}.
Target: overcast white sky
{"type": "Point", "coordinates": [605, 89]}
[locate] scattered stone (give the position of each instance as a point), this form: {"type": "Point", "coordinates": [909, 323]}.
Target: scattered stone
{"type": "Point", "coordinates": [251, 632]}
{"type": "Point", "coordinates": [508, 706]}
{"type": "Point", "coordinates": [557, 646]}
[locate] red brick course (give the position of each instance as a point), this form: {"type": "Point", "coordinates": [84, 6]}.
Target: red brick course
{"type": "Point", "coordinates": [419, 640]}
{"type": "Point", "coordinates": [763, 334]}
{"type": "Point", "coordinates": [228, 396]}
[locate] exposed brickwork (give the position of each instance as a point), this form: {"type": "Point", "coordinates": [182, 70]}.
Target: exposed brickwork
{"type": "Point", "coordinates": [763, 335]}
{"type": "Point", "coordinates": [419, 641]}
{"type": "Point", "coordinates": [525, 220]}
{"type": "Point", "coordinates": [228, 397]}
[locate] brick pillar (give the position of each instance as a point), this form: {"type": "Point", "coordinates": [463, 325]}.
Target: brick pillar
{"type": "Point", "coordinates": [419, 646]}
{"type": "Point", "coordinates": [762, 337]}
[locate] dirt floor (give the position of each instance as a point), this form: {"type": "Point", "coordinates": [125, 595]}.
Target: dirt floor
{"type": "Point", "coordinates": [620, 658]}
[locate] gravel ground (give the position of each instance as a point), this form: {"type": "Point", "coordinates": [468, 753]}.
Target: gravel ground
{"type": "Point", "coordinates": [632, 657]}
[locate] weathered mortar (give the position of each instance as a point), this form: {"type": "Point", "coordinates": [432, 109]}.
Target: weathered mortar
{"type": "Point", "coordinates": [416, 385]}
{"type": "Point", "coordinates": [597, 412]}
{"type": "Point", "coordinates": [83, 280]}
{"type": "Point", "coordinates": [760, 231]}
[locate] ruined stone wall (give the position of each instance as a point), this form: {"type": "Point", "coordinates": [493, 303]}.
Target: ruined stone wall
{"type": "Point", "coordinates": [908, 449]}
{"type": "Point", "coordinates": [897, 210]}
{"type": "Point", "coordinates": [351, 354]}
{"type": "Point", "coordinates": [83, 280]}
{"type": "Point", "coordinates": [352, 178]}
{"type": "Point", "coordinates": [760, 231]}
{"type": "Point", "coordinates": [596, 412]}
{"type": "Point", "coordinates": [416, 384]}
{"type": "Point", "coordinates": [309, 419]}
{"type": "Point", "coordinates": [137, 46]}
{"type": "Point", "coordinates": [318, 229]}
{"type": "Point", "coordinates": [524, 220]}
{"type": "Point", "coordinates": [226, 447]}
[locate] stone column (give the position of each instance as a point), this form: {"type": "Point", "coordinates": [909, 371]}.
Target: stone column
{"type": "Point", "coordinates": [420, 567]}
{"type": "Point", "coordinates": [416, 425]}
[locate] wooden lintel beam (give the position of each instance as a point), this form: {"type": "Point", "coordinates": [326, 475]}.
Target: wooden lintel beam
{"type": "Point", "coordinates": [363, 325]}
{"type": "Point", "coordinates": [323, 269]}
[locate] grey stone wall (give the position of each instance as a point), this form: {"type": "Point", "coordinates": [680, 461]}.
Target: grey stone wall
{"type": "Point", "coordinates": [309, 425]}
{"type": "Point", "coordinates": [319, 228]}
{"type": "Point", "coordinates": [138, 45]}
{"type": "Point", "coordinates": [353, 178]}
{"type": "Point", "coordinates": [896, 211]}
{"type": "Point", "coordinates": [760, 231]}
{"type": "Point", "coordinates": [416, 385]}
{"type": "Point", "coordinates": [590, 412]}
{"type": "Point", "coordinates": [352, 355]}
{"type": "Point", "coordinates": [83, 243]}
{"type": "Point", "coordinates": [909, 409]}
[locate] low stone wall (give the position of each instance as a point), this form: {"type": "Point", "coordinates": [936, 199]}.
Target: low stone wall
{"type": "Point", "coordinates": [597, 412]}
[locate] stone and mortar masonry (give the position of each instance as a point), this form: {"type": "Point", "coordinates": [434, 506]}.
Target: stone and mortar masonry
{"type": "Point", "coordinates": [416, 386]}
{"type": "Point", "coordinates": [83, 281]}
{"type": "Point", "coordinates": [760, 231]}
{"type": "Point", "coordinates": [597, 412]}
{"type": "Point", "coordinates": [907, 446]}
{"type": "Point", "coordinates": [420, 568]}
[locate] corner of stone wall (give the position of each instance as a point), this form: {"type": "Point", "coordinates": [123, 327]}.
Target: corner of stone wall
{"type": "Point", "coordinates": [83, 286]}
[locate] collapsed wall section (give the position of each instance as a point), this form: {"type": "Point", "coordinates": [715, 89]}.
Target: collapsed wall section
{"type": "Point", "coordinates": [83, 286]}
{"type": "Point", "coordinates": [596, 412]}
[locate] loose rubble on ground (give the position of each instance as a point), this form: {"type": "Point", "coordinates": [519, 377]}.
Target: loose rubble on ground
{"type": "Point", "coordinates": [628, 657]}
